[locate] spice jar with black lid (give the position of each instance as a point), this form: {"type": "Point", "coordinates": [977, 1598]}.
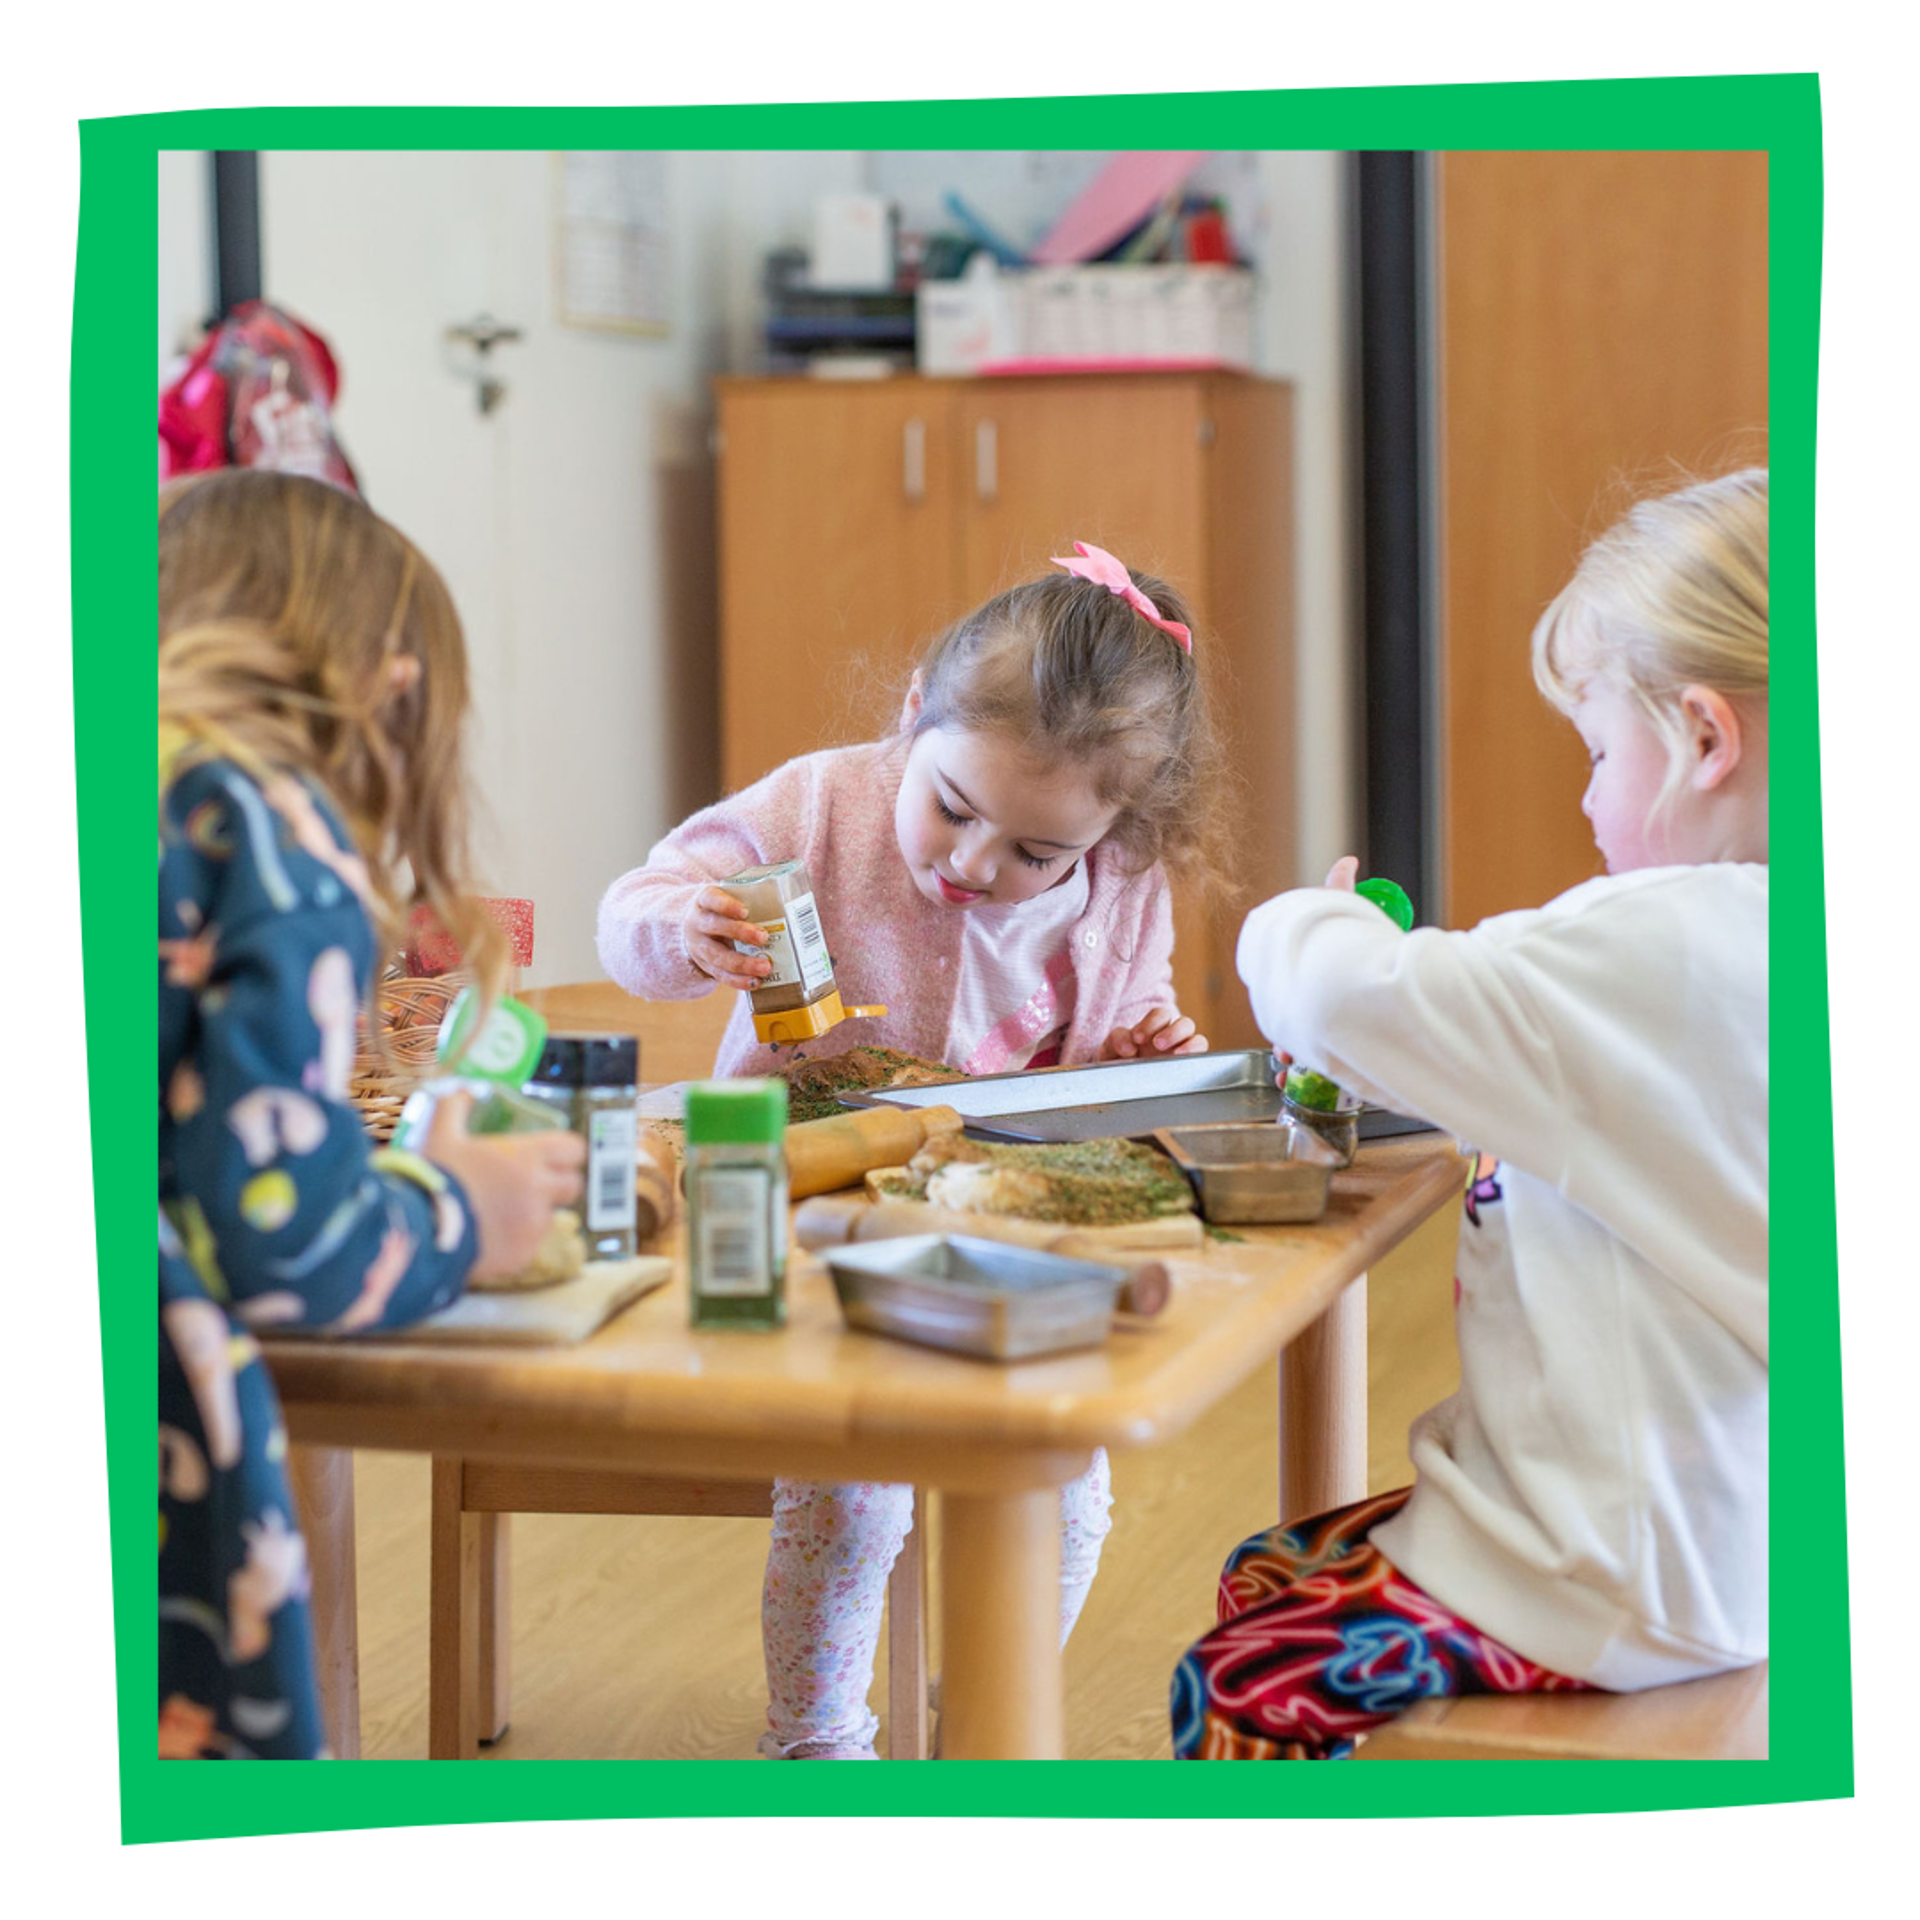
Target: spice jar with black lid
{"type": "Point", "coordinates": [593, 1081]}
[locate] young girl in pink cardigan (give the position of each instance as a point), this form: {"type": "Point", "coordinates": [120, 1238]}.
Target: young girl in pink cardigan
{"type": "Point", "coordinates": [995, 874]}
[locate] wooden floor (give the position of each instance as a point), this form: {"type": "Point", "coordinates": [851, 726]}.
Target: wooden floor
{"type": "Point", "coordinates": [640, 1638]}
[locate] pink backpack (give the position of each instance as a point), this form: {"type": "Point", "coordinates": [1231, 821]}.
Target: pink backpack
{"type": "Point", "coordinates": [258, 392]}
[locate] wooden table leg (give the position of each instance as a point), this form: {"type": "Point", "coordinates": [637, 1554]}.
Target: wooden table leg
{"type": "Point", "coordinates": [495, 1665]}
{"type": "Point", "coordinates": [907, 1642]}
{"type": "Point", "coordinates": [1323, 1410]}
{"type": "Point", "coordinates": [1001, 1695]}
{"type": "Point", "coordinates": [322, 1482]}
{"type": "Point", "coordinates": [453, 1619]}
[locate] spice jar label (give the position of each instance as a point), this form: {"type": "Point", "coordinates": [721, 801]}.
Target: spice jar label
{"type": "Point", "coordinates": [734, 1255]}
{"type": "Point", "coordinates": [612, 1198]}
{"type": "Point", "coordinates": [797, 948]}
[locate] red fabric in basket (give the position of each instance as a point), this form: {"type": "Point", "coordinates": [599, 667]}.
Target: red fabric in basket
{"type": "Point", "coordinates": [432, 948]}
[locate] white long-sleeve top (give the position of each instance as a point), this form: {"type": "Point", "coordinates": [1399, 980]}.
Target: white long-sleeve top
{"type": "Point", "coordinates": [1595, 1495]}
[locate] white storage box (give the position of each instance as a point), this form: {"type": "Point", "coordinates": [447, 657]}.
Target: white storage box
{"type": "Point", "coordinates": [1132, 316]}
{"type": "Point", "coordinates": [962, 325]}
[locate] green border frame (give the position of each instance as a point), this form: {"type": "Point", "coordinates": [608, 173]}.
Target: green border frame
{"type": "Point", "coordinates": [112, 481]}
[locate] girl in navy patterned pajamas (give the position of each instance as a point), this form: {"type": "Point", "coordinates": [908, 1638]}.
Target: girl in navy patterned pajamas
{"type": "Point", "coordinates": [312, 695]}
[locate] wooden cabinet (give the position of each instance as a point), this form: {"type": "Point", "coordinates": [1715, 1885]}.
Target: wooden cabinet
{"type": "Point", "coordinates": [856, 520]}
{"type": "Point", "coordinates": [1601, 316]}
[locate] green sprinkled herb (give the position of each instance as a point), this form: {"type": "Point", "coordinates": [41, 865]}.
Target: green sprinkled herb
{"type": "Point", "coordinates": [1088, 1183]}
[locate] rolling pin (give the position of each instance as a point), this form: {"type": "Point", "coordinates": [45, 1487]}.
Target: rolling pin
{"type": "Point", "coordinates": [826, 1155]}
{"type": "Point", "coordinates": [832, 1223]}
{"type": "Point", "coordinates": [655, 1183]}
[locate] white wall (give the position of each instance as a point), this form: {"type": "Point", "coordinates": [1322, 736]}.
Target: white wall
{"type": "Point", "coordinates": [1306, 337]}
{"type": "Point", "coordinates": [186, 249]}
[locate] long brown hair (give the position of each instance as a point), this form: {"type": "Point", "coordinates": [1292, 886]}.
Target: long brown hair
{"type": "Point", "coordinates": [1073, 673]}
{"type": "Point", "coordinates": [284, 603]}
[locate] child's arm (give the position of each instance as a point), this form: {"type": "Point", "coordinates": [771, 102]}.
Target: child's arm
{"type": "Point", "coordinates": [666, 932]}
{"type": "Point", "coordinates": [1148, 1021]}
{"type": "Point", "coordinates": [1429, 1023]}
{"type": "Point", "coordinates": [281, 1204]}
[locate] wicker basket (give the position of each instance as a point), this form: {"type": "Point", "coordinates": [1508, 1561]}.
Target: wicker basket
{"type": "Point", "coordinates": [410, 1010]}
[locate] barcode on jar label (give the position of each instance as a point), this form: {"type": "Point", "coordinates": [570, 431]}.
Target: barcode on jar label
{"type": "Point", "coordinates": [816, 968]}
{"type": "Point", "coordinates": [732, 1252]}
{"type": "Point", "coordinates": [612, 1201]}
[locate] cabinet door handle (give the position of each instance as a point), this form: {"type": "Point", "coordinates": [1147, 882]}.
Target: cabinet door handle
{"type": "Point", "coordinates": [986, 460]}
{"type": "Point", "coordinates": [913, 455]}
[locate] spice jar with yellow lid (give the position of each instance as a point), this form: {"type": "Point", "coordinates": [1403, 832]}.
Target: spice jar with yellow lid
{"type": "Point", "coordinates": [799, 999]}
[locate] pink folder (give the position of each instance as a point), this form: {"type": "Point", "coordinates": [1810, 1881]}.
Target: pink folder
{"type": "Point", "coordinates": [1121, 195]}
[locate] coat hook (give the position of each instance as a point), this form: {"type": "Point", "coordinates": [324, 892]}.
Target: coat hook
{"type": "Point", "coordinates": [483, 333]}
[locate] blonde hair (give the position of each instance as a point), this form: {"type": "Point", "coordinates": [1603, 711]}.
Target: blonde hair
{"type": "Point", "coordinates": [284, 602]}
{"type": "Point", "coordinates": [1072, 672]}
{"type": "Point", "coordinates": [1672, 595]}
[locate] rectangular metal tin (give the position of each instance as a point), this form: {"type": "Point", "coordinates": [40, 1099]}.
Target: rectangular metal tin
{"type": "Point", "coordinates": [978, 1297]}
{"type": "Point", "coordinates": [1117, 1098]}
{"type": "Point", "coordinates": [1129, 1099]}
{"type": "Point", "coordinates": [1252, 1174]}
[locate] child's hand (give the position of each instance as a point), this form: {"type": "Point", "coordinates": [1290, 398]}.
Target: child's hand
{"type": "Point", "coordinates": [1165, 1030]}
{"type": "Point", "coordinates": [513, 1182]}
{"type": "Point", "coordinates": [714, 922]}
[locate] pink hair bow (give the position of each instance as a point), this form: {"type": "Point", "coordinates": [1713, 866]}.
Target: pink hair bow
{"type": "Point", "coordinates": [1104, 570]}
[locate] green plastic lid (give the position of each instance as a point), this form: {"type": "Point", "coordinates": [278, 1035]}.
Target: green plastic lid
{"type": "Point", "coordinates": [1305, 1088]}
{"type": "Point", "coordinates": [1391, 898]}
{"type": "Point", "coordinates": [736, 1112]}
{"type": "Point", "coordinates": [506, 1048]}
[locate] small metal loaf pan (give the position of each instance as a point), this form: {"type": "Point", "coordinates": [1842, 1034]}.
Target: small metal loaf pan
{"type": "Point", "coordinates": [1257, 1175]}
{"type": "Point", "coordinates": [979, 1297]}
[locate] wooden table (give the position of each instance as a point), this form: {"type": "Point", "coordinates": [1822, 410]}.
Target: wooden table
{"type": "Point", "coordinates": [820, 1401]}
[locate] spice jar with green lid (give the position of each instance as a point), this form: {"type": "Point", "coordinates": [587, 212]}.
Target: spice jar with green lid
{"type": "Point", "coordinates": [736, 1183]}
{"type": "Point", "coordinates": [487, 1059]}
{"type": "Point", "coordinates": [1313, 1102]}
{"type": "Point", "coordinates": [591, 1081]}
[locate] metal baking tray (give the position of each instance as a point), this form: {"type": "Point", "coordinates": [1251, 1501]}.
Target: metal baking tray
{"type": "Point", "coordinates": [1253, 1174]}
{"type": "Point", "coordinates": [1129, 1099]}
{"type": "Point", "coordinates": [979, 1297]}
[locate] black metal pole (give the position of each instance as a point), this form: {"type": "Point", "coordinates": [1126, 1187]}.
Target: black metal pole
{"type": "Point", "coordinates": [1393, 403]}
{"type": "Point", "coordinates": [236, 229]}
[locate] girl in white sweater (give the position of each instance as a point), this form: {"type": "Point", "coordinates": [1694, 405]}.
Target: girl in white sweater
{"type": "Point", "coordinates": [1590, 1509]}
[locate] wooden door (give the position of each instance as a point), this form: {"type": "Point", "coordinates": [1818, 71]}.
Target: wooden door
{"type": "Point", "coordinates": [1116, 462]}
{"type": "Point", "coordinates": [837, 560]}
{"type": "Point", "coordinates": [1602, 315]}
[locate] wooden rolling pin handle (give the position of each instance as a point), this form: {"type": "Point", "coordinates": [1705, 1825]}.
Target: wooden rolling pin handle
{"type": "Point", "coordinates": [655, 1193]}
{"type": "Point", "coordinates": [1149, 1287]}
{"type": "Point", "coordinates": [825, 1155]}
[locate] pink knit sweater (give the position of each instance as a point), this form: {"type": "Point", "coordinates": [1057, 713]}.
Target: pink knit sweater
{"type": "Point", "coordinates": [891, 946]}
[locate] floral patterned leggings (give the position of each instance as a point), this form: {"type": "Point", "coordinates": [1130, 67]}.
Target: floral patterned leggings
{"type": "Point", "coordinates": [833, 1548]}
{"type": "Point", "coordinates": [1321, 1638]}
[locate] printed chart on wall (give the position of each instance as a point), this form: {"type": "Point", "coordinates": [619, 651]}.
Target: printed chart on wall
{"type": "Point", "coordinates": [610, 241]}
